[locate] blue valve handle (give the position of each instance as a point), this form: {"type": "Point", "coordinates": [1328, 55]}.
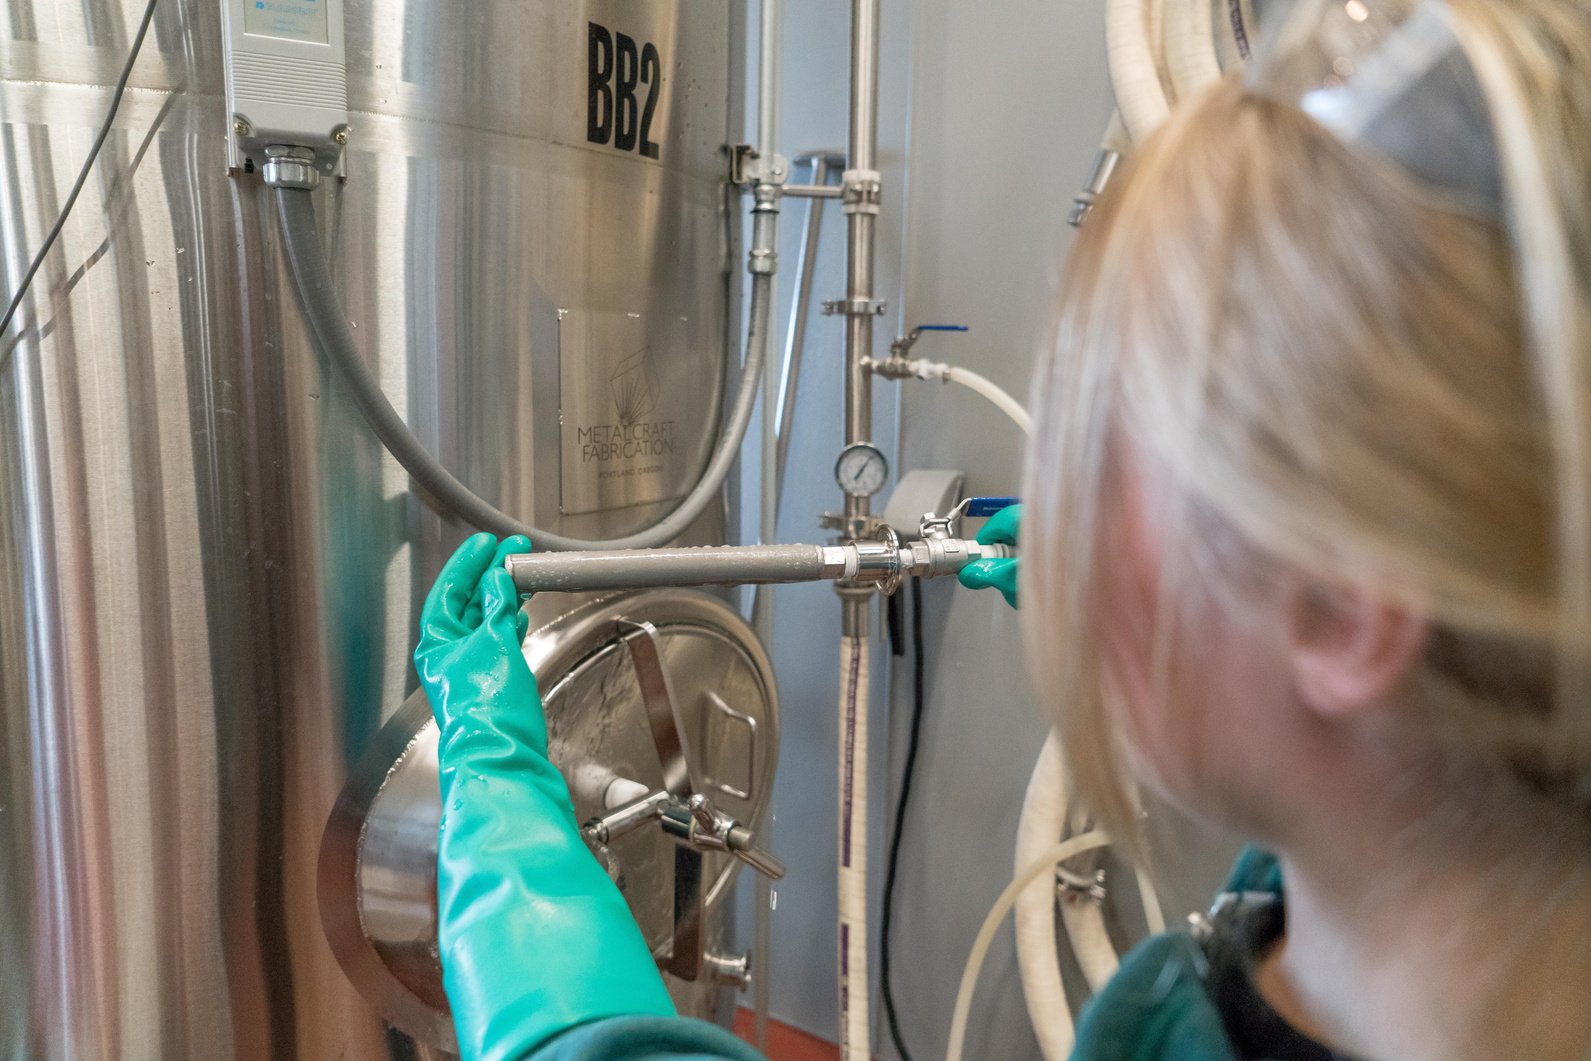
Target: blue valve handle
{"type": "Point", "coordinates": [980, 507]}
{"type": "Point", "coordinates": [942, 328]}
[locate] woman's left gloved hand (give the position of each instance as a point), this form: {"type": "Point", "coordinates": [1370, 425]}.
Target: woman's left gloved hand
{"type": "Point", "coordinates": [535, 938]}
{"type": "Point", "coordinates": [1002, 528]}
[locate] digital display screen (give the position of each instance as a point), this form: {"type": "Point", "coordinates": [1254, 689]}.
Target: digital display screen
{"type": "Point", "coordinates": [295, 20]}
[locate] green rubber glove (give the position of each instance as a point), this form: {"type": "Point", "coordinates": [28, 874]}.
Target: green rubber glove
{"type": "Point", "coordinates": [535, 938]}
{"type": "Point", "coordinates": [1002, 528]}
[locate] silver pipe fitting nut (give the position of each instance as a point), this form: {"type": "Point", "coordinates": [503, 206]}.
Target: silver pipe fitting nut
{"type": "Point", "coordinates": [290, 167]}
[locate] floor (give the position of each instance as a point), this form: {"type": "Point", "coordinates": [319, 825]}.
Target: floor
{"type": "Point", "coordinates": [786, 1043]}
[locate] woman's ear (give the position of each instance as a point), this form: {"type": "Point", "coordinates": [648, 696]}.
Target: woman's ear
{"type": "Point", "coordinates": [1351, 648]}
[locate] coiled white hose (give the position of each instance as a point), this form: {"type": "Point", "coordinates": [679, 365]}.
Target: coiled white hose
{"type": "Point", "coordinates": [1043, 819]}
{"type": "Point", "coordinates": [1040, 866]}
{"type": "Point", "coordinates": [1190, 47]}
{"type": "Point", "coordinates": [1044, 814]}
{"type": "Point", "coordinates": [1131, 55]}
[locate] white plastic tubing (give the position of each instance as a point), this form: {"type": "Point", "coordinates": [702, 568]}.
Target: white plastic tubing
{"type": "Point", "coordinates": [1040, 868]}
{"type": "Point", "coordinates": [855, 1037]}
{"type": "Point", "coordinates": [987, 387]}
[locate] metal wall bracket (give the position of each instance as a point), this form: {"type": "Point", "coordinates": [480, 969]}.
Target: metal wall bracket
{"type": "Point", "coordinates": [747, 166]}
{"type": "Point", "coordinates": [854, 307]}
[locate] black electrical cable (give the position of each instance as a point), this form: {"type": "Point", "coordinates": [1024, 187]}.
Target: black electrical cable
{"type": "Point", "coordinates": [907, 770]}
{"type": "Point", "coordinates": [82, 174]}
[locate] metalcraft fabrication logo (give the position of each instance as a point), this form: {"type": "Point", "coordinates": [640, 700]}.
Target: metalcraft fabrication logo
{"type": "Point", "coordinates": [633, 388]}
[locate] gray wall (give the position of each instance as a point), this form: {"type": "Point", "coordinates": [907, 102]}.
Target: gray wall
{"type": "Point", "coordinates": [990, 119]}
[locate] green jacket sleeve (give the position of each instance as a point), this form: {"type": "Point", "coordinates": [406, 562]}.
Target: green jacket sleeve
{"type": "Point", "coordinates": [646, 1039]}
{"type": "Point", "coordinates": [1155, 1009]}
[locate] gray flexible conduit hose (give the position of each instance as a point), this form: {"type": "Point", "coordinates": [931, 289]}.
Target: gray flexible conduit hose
{"type": "Point", "coordinates": [329, 325]}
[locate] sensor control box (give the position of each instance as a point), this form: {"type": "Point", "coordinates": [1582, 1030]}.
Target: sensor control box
{"type": "Point", "coordinates": [286, 80]}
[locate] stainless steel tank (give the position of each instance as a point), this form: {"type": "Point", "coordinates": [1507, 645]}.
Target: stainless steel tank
{"type": "Point", "coordinates": [210, 572]}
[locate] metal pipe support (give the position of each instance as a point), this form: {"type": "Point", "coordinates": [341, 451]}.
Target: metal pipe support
{"type": "Point", "coordinates": [811, 191]}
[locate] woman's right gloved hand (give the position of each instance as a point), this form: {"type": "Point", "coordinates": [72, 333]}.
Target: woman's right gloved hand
{"type": "Point", "coordinates": [535, 938]}
{"type": "Point", "coordinates": [1002, 528]}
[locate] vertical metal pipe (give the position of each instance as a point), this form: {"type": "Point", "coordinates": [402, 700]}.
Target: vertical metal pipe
{"type": "Point", "coordinates": [861, 198]}
{"type": "Point", "coordinates": [861, 207]}
{"type": "Point", "coordinates": [772, 44]}
{"type": "Point", "coordinates": [772, 32]}
{"type": "Point", "coordinates": [864, 84]}
{"type": "Point", "coordinates": [766, 237]}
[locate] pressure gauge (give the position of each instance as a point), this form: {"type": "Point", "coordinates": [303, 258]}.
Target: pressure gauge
{"type": "Point", "coordinates": [861, 470]}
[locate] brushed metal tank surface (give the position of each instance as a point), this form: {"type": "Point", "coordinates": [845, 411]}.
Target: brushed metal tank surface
{"type": "Point", "coordinates": [210, 573]}
{"type": "Point", "coordinates": [383, 830]}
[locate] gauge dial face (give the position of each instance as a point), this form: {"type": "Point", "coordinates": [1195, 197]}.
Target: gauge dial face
{"type": "Point", "coordinates": [861, 470]}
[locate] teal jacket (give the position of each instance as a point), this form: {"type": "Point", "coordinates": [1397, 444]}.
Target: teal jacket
{"type": "Point", "coordinates": [1156, 1007]}
{"type": "Point", "coordinates": [646, 1039]}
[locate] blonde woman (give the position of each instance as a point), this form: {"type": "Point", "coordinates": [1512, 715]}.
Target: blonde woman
{"type": "Point", "coordinates": [1307, 551]}
{"type": "Point", "coordinates": [1308, 535]}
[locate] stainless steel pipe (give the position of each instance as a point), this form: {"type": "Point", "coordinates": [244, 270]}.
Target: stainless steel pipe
{"type": "Point", "coordinates": [861, 197]}
{"type": "Point", "coordinates": [738, 565]}
{"type": "Point", "coordinates": [878, 563]}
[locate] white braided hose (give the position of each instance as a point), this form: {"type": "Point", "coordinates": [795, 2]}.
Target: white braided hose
{"type": "Point", "coordinates": [1133, 75]}
{"type": "Point", "coordinates": [855, 1037]}
{"type": "Point", "coordinates": [1044, 816]}
{"type": "Point", "coordinates": [1041, 867]}
{"type": "Point", "coordinates": [1190, 47]}
{"type": "Point", "coordinates": [1043, 820]}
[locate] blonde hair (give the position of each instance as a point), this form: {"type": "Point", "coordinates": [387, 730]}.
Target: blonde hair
{"type": "Point", "coordinates": [1342, 372]}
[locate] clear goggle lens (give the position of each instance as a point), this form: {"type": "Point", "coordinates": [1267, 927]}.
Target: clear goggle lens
{"type": "Point", "coordinates": [1390, 77]}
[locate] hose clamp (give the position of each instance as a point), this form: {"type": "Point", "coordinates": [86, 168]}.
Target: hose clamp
{"type": "Point", "coordinates": [878, 562]}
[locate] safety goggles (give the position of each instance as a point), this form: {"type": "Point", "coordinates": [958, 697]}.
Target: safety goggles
{"type": "Point", "coordinates": [1388, 77]}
